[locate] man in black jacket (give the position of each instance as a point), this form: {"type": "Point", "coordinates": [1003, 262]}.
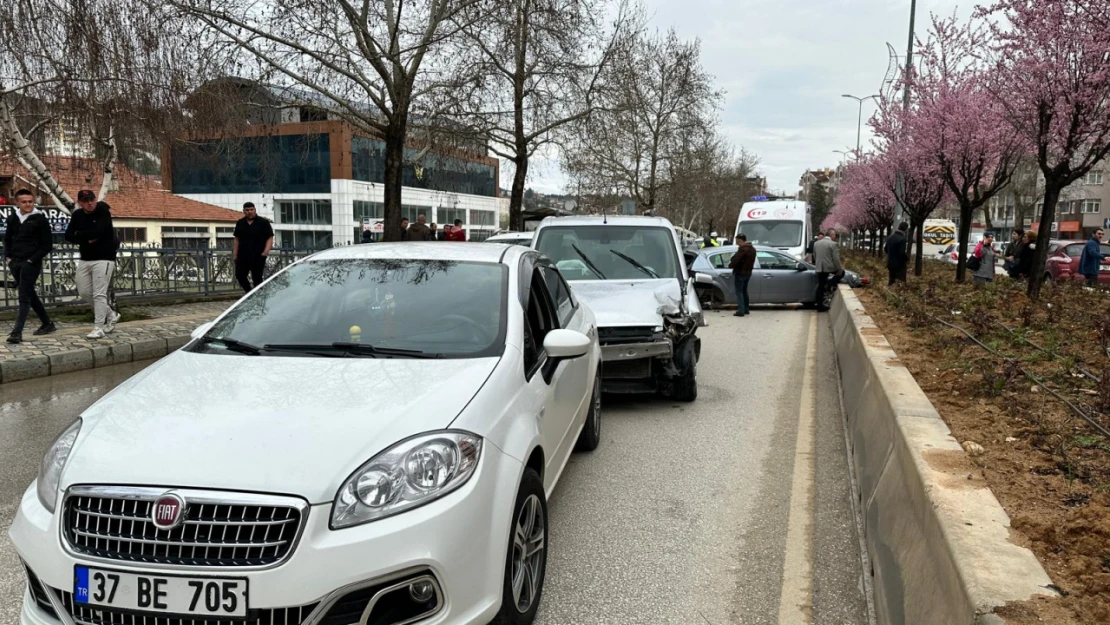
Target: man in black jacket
{"type": "Point", "coordinates": [254, 236]}
{"type": "Point", "coordinates": [27, 241]}
{"type": "Point", "coordinates": [897, 258]}
{"type": "Point", "coordinates": [90, 227]}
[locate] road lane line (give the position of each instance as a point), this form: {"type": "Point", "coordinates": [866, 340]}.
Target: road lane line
{"type": "Point", "coordinates": [796, 600]}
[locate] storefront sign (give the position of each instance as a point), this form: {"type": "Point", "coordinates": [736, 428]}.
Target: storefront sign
{"type": "Point", "coordinates": [58, 218]}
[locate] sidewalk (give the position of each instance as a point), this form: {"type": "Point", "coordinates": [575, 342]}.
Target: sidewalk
{"type": "Point", "coordinates": [68, 350]}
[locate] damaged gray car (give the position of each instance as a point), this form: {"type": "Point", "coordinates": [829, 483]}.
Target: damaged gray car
{"type": "Point", "coordinates": [630, 271]}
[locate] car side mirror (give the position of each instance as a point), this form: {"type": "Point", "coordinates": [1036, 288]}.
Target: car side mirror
{"type": "Point", "coordinates": [801, 267]}
{"type": "Point", "coordinates": [702, 278]}
{"type": "Point", "coordinates": [563, 345]}
{"type": "Point", "coordinates": [201, 330]}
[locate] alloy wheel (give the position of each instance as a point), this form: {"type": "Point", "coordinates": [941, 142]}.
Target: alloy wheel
{"type": "Point", "coordinates": [529, 542]}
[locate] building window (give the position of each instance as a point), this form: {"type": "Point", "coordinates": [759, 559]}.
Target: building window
{"type": "Point", "coordinates": [225, 238]}
{"type": "Point", "coordinates": [131, 235]}
{"type": "Point", "coordinates": [434, 172]}
{"type": "Point", "coordinates": [368, 210]}
{"type": "Point", "coordinates": [185, 237]}
{"type": "Point", "coordinates": [482, 218]}
{"type": "Point", "coordinates": [303, 239]}
{"type": "Point", "coordinates": [1092, 206]}
{"type": "Point", "coordinates": [280, 164]}
{"type": "Point", "coordinates": [1094, 177]}
{"type": "Point", "coordinates": [449, 215]}
{"type": "Point", "coordinates": [411, 212]}
{"type": "Point", "coordinates": [304, 212]}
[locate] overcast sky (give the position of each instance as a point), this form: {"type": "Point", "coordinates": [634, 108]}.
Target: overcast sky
{"type": "Point", "coordinates": [784, 65]}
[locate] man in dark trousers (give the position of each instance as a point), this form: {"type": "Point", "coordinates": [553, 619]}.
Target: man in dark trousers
{"type": "Point", "coordinates": [1091, 258]}
{"type": "Point", "coordinates": [27, 241]}
{"type": "Point", "coordinates": [254, 236]}
{"type": "Point", "coordinates": [826, 256]}
{"type": "Point", "coordinates": [897, 258]}
{"type": "Point", "coordinates": [741, 265]}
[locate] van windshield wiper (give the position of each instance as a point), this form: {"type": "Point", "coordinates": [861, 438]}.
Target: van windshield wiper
{"type": "Point", "coordinates": [344, 348]}
{"type": "Point", "coordinates": [233, 345]}
{"type": "Point", "coordinates": [589, 263]}
{"type": "Point", "coordinates": [637, 264]}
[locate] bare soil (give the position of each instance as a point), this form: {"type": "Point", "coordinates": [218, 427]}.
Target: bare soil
{"type": "Point", "coordinates": [1049, 468]}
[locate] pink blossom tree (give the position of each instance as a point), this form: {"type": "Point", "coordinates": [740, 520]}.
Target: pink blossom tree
{"type": "Point", "coordinates": [862, 202]}
{"type": "Point", "coordinates": [906, 156]}
{"type": "Point", "coordinates": [960, 124]}
{"type": "Point", "coordinates": [1050, 63]}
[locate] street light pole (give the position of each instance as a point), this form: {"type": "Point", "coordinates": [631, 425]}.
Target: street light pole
{"type": "Point", "coordinates": [859, 122]}
{"type": "Point", "coordinates": [899, 204]}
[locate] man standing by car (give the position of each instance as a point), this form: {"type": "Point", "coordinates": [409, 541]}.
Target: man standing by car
{"type": "Point", "coordinates": [741, 265]}
{"type": "Point", "coordinates": [27, 241]}
{"type": "Point", "coordinates": [1091, 258]}
{"type": "Point", "coordinates": [254, 236]}
{"type": "Point", "coordinates": [90, 227]}
{"type": "Point", "coordinates": [826, 256]}
{"type": "Point", "coordinates": [897, 258]}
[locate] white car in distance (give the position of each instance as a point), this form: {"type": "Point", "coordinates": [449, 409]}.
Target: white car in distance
{"type": "Point", "coordinates": [369, 437]}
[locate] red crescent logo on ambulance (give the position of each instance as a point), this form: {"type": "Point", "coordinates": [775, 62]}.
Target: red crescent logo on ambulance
{"type": "Point", "coordinates": [757, 213]}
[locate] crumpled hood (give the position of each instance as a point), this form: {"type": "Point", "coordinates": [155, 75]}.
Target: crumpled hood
{"type": "Point", "coordinates": [282, 425]}
{"type": "Point", "coordinates": [630, 302]}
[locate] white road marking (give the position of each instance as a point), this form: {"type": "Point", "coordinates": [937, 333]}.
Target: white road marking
{"type": "Point", "coordinates": [796, 600]}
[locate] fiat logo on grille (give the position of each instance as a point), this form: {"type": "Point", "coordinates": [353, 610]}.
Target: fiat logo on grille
{"type": "Point", "coordinates": [168, 511]}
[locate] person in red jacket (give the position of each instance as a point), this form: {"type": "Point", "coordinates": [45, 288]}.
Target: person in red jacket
{"type": "Point", "coordinates": [456, 232]}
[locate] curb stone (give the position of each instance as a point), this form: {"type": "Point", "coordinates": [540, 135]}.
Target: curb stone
{"type": "Point", "coordinates": [938, 538]}
{"type": "Point", "coordinates": [57, 363]}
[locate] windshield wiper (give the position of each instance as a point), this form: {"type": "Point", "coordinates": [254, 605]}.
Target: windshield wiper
{"type": "Point", "coordinates": [589, 263]}
{"type": "Point", "coordinates": [233, 345]}
{"type": "Point", "coordinates": [635, 263]}
{"type": "Point", "coordinates": [343, 348]}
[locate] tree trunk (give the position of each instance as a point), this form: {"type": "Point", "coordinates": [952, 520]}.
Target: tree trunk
{"type": "Point", "coordinates": [964, 237]}
{"type": "Point", "coordinates": [1052, 188]}
{"type": "Point", "coordinates": [109, 165]}
{"type": "Point", "coordinates": [394, 176]}
{"type": "Point", "coordinates": [27, 157]}
{"type": "Point", "coordinates": [516, 198]}
{"type": "Point", "coordinates": [919, 240]}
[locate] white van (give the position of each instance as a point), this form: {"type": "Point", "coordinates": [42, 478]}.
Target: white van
{"type": "Point", "coordinates": [781, 224]}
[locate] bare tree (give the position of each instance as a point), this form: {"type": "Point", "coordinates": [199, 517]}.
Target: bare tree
{"type": "Point", "coordinates": [707, 182]}
{"type": "Point", "coordinates": [371, 64]}
{"type": "Point", "coordinates": [97, 71]}
{"type": "Point", "coordinates": [656, 92]}
{"type": "Point", "coordinates": [540, 64]}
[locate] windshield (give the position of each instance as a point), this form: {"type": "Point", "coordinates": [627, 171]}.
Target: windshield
{"type": "Point", "coordinates": [772, 233]}
{"type": "Point", "coordinates": [600, 252]}
{"type": "Point", "coordinates": [441, 308]}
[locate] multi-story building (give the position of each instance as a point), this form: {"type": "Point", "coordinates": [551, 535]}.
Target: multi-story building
{"type": "Point", "coordinates": [321, 181]}
{"type": "Point", "coordinates": [812, 178]}
{"type": "Point", "coordinates": [1084, 206]}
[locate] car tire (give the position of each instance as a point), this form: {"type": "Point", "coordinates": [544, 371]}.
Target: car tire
{"type": "Point", "coordinates": [590, 437]}
{"type": "Point", "coordinates": [530, 508]}
{"type": "Point", "coordinates": [684, 388]}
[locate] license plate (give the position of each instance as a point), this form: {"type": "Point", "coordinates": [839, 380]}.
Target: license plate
{"type": "Point", "coordinates": [169, 594]}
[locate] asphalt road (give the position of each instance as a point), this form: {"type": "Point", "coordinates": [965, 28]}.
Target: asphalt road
{"type": "Point", "coordinates": [709, 513]}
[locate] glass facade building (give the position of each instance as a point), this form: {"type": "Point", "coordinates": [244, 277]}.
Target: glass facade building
{"type": "Point", "coordinates": [275, 164]}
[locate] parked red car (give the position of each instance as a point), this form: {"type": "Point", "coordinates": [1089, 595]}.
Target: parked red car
{"type": "Point", "coordinates": [1063, 261]}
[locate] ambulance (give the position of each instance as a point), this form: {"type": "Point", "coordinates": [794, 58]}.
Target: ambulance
{"type": "Point", "coordinates": [780, 223]}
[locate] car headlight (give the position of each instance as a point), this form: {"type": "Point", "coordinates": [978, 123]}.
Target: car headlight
{"type": "Point", "coordinates": [50, 473]}
{"type": "Point", "coordinates": [407, 475]}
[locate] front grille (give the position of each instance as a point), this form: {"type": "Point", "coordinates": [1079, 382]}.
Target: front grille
{"type": "Point", "coordinates": [87, 615]}
{"type": "Point", "coordinates": [635, 334]}
{"type": "Point", "coordinates": [627, 369]}
{"type": "Point", "coordinates": [212, 534]}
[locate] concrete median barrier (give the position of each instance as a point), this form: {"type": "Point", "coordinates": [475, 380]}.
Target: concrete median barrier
{"type": "Point", "coordinates": [937, 537]}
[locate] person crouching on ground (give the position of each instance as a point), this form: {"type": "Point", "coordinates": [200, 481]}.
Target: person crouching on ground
{"type": "Point", "coordinates": [90, 227]}
{"type": "Point", "coordinates": [27, 241]}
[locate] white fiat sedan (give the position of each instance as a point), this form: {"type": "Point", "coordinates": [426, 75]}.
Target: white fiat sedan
{"type": "Point", "coordinates": [368, 438]}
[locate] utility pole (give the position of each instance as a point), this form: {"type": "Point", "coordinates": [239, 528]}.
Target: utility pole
{"type": "Point", "coordinates": [859, 122]}
{"type": "Point", "coordinates": [900, 206]}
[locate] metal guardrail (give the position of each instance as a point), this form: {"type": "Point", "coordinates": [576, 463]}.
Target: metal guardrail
{"type": "Point", "coordinates": [144, 272]}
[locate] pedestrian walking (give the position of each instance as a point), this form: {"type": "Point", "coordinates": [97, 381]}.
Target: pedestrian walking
{"type": "Point", "coordinates": [254, 236]}
{"type": "Point", "coordinates": [1091, 258]}
{"type": "Point", "coordinates": [826, 256]}
{"type": "Point", "coordinates": [984, 251]}
{"type": "Point", "coordinates": [420, 231]}
{"type": "Point", "coordinates": [897, 258]}
{"type": "Point", "coordinates": [741, 265]}
{"type": "Point", "coordinates": [90, 228]}
{"type": "Point", "coordinates": [27, 241]}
